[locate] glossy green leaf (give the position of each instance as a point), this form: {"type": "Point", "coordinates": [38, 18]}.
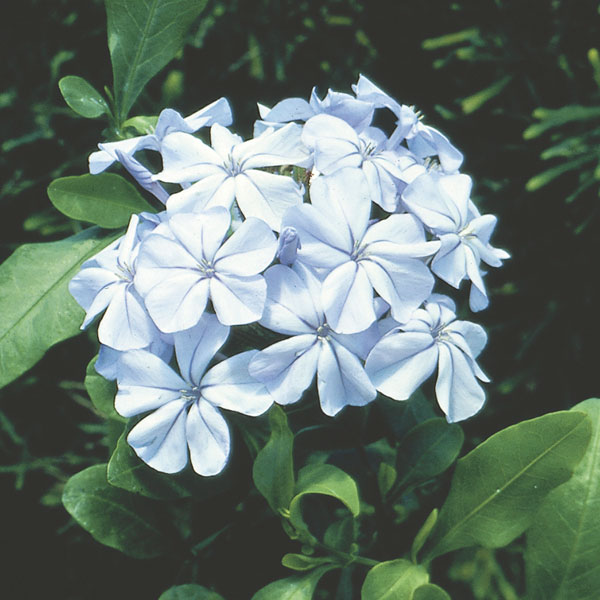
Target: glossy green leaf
{"type": "Point", "coordinates": [428, 450]}
{"type": "Point", "coordinates": [327, 480]}
{"type": "Point", "coordinates": [497, 488]}
{"type": "Point", "coordinates": [430, 591]}
{"type": "Point", "coordinates": [101, 392]}
{"type": "Point", "coordinates": [393, 580]}
{"type": "Point", "coordinates": [36, 309]}
{"type": "Point", "coordinates": [563, 543]}
{"type": "Point", "coordinates": [113, 517]}
{"type": "Point", "coordinates": [82, 97]}
{"type": "Point", "coordinates": [301, 562]}
{"type": "Point", "coordinates": [297, 587]}
{"type": "Point", "coordinates": [106, 199]}
{"type": "Point", "coordinates": [127, 471]}
{"type": "Point", "coordinates": [190, 591]}
{"type": "Point", "coordinates": [143, 36]}
{"type": "Point", "coordinates": [273, 470]}
{"type": "Point", "coordinates": [341, 534]}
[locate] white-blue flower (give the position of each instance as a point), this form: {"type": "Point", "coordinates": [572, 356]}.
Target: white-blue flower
{"type": "Point", "coordinates": [105, 282]}
{"type": "Point", "coordinates": [187, 260]}
{"type": "Point", "coordinates": [169, 121]}
{"type": "Point", "coordinates": [230, 171]}
{"type": "Point", "coordinates": [442, 203]}
{"type": "Point", "coordinates": [408, 354]}
{"type": "Point", "coordinates": [185, 416]}
{"type": "Point", "coordinates": [336, 235]}
{"type": "Point", "coordinates": [288, 367]}
{"type": "Point", "coordinates": [421, 139]}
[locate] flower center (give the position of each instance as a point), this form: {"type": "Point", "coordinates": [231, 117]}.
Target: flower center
{"type": "Point", "coordinates": [206, 268]}
{"type": "Point", "coordinates": [190, 394]}
{"type": "Point", "coordinates": [323, 332]}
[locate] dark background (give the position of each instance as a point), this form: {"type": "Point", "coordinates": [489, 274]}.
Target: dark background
{"type": "Point", "coordinates": [543, 319]}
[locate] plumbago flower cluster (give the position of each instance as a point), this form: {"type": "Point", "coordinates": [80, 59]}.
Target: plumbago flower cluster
{"type": "Point", "coordinates": [324, 229]}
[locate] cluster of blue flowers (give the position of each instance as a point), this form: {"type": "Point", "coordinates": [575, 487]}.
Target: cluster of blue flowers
{"type": "Point", "coordinates": [322, 228]}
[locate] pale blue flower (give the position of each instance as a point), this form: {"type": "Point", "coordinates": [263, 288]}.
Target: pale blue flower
{"type": "Point", "coordinates": [105, 282]}
{"type": "Point", "coordinates": [187, 260]}
{"type": "Point", "coordinates": [185, 415]}
{"type": "Point", "coordinates": [169, 121]}
{"type": "Point", "coordinates": [288, 367]}
{"type": "Point", "coordinates": [408, 354]}
{"type": "Point", "coordinates": [230, 171]}
{"type": "Point", "coordinates": [336, 145]}
{"type": "Point", "coordinates": [335, 234]}
{"type": "Point", "coordinates": [442, 203]}
{"type": "Point", "coordinates": [357, 113]}
{"type": "Point", "coordinates": [422, 140]}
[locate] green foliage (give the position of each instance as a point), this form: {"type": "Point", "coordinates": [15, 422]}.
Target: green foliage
{"type": "Point", "coordinates": [82, 97]}
{"type": "Point", "coordinates": [101, 392]}
{"type": "Point", "coordinates": [36, 309]}
{"type": "Point", "coordinates": [297, 587]}
{"type": "Point", "coordinates": [273, 470]}
{"type": "Point", "coordinates": [428, 450]}
{"type": "Point", "coordinates": [143, 36]}
{"type": "Point", "coordinates": [113, 517]}
{"type": "Point", "coordinates": [106, 199]}
{"type": "Point", "coordinates": [563, 543]}
{"type": "Point", "coordinates": [326, 480]}
{"type": "Point", "coordinates": [189, 591]}
{"type": "Point", "coordinates": [497, 487]}
{"type": "Point", "coordinates": [430, 591]}
{"type": "Point", "coordinates": [393, 580]}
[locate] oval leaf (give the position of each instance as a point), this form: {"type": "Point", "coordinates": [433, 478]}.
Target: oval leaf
{"type": "Point", "coordinates": [189, 591]}
{"type": "Point", "coordinates": [327, 480]}
{"type": "Point", "coordinates": [497, 488]}
{"type": "Point", "coordinates": [393, 580]}
{"type": "Point", "coordinates": [563, 543]}
{"type": "Point", "coordinates": [430, 591]}
{"type": "Point", "coordinates": [428, 450]}
{"type": "Point", "coordinates": [36, 309]}
{"type": "Point", "coordinates": [301, 562]}
{"type": "Point", "coordinates": [143, 36]}
{"type": "Point", "coordinates": [101, 392]}
{"type": "Point", "coordinates": [273, 470]}
{"type": "Point", "coordinates": [127, 471]}
{"type": "Point", "coordinates": [82, 97]}
{"type": "Point", "coordinates": [298, 587]}
{"type": "Point", "coordinates": [106, 199]}
{"type": "Point", "coordinates": [113, 517]}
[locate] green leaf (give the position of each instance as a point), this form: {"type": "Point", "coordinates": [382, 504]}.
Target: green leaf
{"type": "Point", "coordinates": [36, 309]}
{"type": "Point", "coordinates": [301, 562]}
{"type": "Point", "coordinates": [551, 118]}
{"type": "Point", "coordinates": [393, 580]}
{"type": "Point", "coordinates": [297, 587]}
{"type": "Point", "coordinates": [101, 392]}
{"type": "Point", "coordinates": [497, 488]}
{"type": "Point", "coordinates": [341, 534]}
{"type": "Point", "coordinates": [563, 543]}
{"type": "Point", "coordinates": [143, 36]}
{"type": "Point", "coordinates": [430, 591]}
{"type": "Point", "coordinates": [273, 470]}
{"type": "Point", "coordinates": [327, 480]}
{"type": "Point", "coordinates": [127, 471]}
{"type": "Point", "coordinates": [190, 591]}
{"type": "Point", "coordinates": [428, 450]}
{"type": "Point", "coordinates": [106, 199]}
{"type": "Point", "coordinates": [113, 517]}
{"type": "Point", "coordinates": [423, 534]}
{"type": "Point", "coordinates": [545, 177]}
{"type": "Point", "coordinates": [477, 100]}
{"type": "Point", "coordinates": [141, 125]}
{"type": "Point", "coordinates": [386, 476]}
{"type": "Point", "coordinates": [82, 97]}
{"type": "Point", "coordinates": [466, 35]}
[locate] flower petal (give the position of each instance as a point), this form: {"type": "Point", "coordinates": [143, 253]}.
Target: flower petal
{"type": "Point", "coordinates": [160, 440]}
{"type": "Point", "coordinates": [236, 299]}
{"type": "Point", "coordinates": [187, 159]}
{"type": "Point", "coordinates": [400, 362]}
{"type": "Point", "coordinates": [341, 379]}
{"type": "Point", "coordinates": [208, 438]}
